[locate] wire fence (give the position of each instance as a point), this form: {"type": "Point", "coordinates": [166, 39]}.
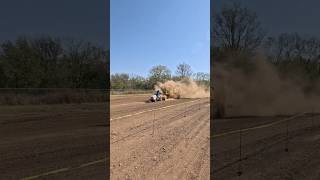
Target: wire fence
{"type": "Point", "coordinates": [232, 148]}
{"type": "Point", "coordinates": [129, 91]}
{"type": "Point", "coordinates": [154, 123]}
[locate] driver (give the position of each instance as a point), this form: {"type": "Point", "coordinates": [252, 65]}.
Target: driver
{"type": "Point", "coordinates": [158, 93]}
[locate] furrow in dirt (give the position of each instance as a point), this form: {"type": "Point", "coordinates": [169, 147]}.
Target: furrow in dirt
{"type": "Point", "coordinates": [265, 156]}
{"type": "Point", "coordinates": [147, 152]}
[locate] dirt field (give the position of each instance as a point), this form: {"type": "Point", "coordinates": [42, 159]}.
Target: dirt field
{"type": "Point", "coordinates": [271, 148]}
{"type": "Point", "coordinates": [53, 141]}
{"type": "Point", "coordinates": [163, 140]}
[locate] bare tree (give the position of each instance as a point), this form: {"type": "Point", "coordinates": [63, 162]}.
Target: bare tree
{"type": "Point", "coordinates": [295, 54]}
{"type": "Point", "coordinates": [201, 76]}
{"type": "Point", "coordinates": [237, 28]}
{"type": "Point", "coordinates": [291, 46]}
{"type": "Point", "coordinates": [183, 70]}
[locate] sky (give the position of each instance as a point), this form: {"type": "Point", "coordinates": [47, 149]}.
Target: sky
{"type": "Point", "coordinates": [146, 33]}
{"type": "Point", "coordinates": [81, 19]}
{"type": "Point", "coordinates": [282, 16]}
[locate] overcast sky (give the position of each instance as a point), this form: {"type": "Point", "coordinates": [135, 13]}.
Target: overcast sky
{"type": "Point", "coordinates": [81, 19]}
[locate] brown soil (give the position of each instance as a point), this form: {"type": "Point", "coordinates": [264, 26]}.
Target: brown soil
{"type": "Point", "coordinates": [263, 151]}
{"type": "Point", "coordinates": [168, 143]}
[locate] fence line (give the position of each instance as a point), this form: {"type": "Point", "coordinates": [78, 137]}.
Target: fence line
{"type": "Point", "coordinates": [257, 127]}
{"type": "Point", "coordinates": [241, 131]}
{"type": "Point", "coordinates": [154, 121]}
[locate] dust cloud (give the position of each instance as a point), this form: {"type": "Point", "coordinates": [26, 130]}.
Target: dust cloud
{"type": "Point", "coordinates": [262, 91]}
{"type": "Point", "coordinates": [186, 88]}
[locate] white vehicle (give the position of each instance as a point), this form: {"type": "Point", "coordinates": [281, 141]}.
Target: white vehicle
{"type": "Point", "coordinates": [157, 96]}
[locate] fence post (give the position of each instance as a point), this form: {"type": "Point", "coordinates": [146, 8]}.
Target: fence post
{"type": "Point", "coordinates": [312, 118]}
{"type": "Point", "coordinates": [287, 136]}
{"type": "Point", "coordinates": [185, 110]}
{"type": "Point", "coordinates": [240, 152]}
{"type": "Point", "coordinates": [154, 118]}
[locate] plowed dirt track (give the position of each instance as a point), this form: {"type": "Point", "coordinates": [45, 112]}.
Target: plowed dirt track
{"type": "Point", "coordinates": [163, 140]}
{"type": "Point", "coordinates": [53, 141]}
{"type": "Point", "coordinates": [277, 148]}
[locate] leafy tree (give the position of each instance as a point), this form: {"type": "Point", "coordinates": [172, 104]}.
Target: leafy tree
{"type": "Point", "coordinates": [119, 81]}
{"type": "Point", "coordinates": [48, 50]}
{"type": "Point", "coordinates": [158, 73]}
{"type": "Point", "coordinates": [20, 64]}
{"type": "Point", "coordinates": [48, 62]}
{"type": "Point", "coordinates": [138, 82]}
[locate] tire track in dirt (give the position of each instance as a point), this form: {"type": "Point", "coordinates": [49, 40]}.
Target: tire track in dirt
{"type": "Point", "coordinates": [170, 134]}
{"type": "Point", "coordinates": [158, 121]}
{"type": "Point", "coordinates": [272, 146]}
{"type": "Point", "coordinates": [168, 123]}
{"type": "Point", "coordinates": [186, 148]}
{"type": "Point", "coordinates": [37, 139]}
{"type": "Point", "coordinates": [180, 144]}
{"type": "Point", "coordinates": [146, 141]}
{"type": "Point", "coordinates": [136, 110]}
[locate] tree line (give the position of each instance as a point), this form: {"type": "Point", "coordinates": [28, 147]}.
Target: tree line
{"type": "Point", "coordinates": [238, 36]}
{"type": "Point", "coordinates": [49, 62]}
{"type": "Point", "coordinates": [158, 73]}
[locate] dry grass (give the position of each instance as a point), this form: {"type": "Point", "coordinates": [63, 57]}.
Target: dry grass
{"type": "Point", "coordinates": [130, 91]}
{"type": "Point", "coordinates": [50, 96]}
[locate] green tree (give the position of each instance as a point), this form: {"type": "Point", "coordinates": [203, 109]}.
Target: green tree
{"type": "Point", "coordinates": [119, 81]}
{"type": "Point", "coordinates": [138, 82]}
{"type": "Point", "coordinates": [48, 62]}
{"type": "Point", "coordinates": [81, 61]}
{"type": "Point", "coordinates": [48, 50]}
{"type": "Point", "coordinates": [158, 73]}
{"type": "Point", "coordinates": [21, 65]}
